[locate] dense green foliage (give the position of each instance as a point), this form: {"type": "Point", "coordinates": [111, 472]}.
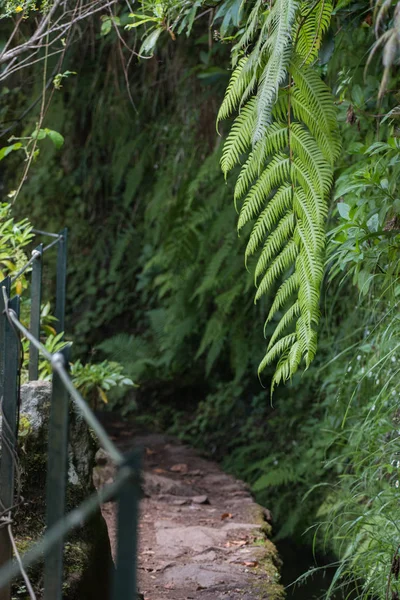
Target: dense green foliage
{"type": "Point", "coordinates": [157, 280]}
{"type": "Point", "coordinates": [93, 380]}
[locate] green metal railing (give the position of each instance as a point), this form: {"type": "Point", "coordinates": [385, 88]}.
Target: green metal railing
{"type": "Point", "coordinates": [125, 488]}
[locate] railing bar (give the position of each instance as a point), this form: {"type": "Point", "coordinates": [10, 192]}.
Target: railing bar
{"type": "Point", "coordinates": [40, 232]}
{"type": "Point", "coordinates": [125, 575]}
{"type": "Point", "coordinates": [6, 286]}
{"type": "Point", "coordinates": [71, 521]}
{"type": "Point", "coordinates": [36, 300]}
{"type": "Point", "coordinates": [57, 241]}
{"type": "Point", "coordinates": [57, 361]}
{"type": "Point", "coordinates": [5, 500]}
{"type": "Point", "coordinates": [61, 280]}
{"type": "Point", "coordinates": [9, 408]}
{"type": "Point", "coordinates": [56, 482]}
{"type": "Point", "coordinates": [35, 254]}
{"type": "Point", "coordinates": [25, 331]}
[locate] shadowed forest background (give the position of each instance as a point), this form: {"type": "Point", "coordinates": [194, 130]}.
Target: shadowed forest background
{"type": "Point", "coordinates": [157, 280]}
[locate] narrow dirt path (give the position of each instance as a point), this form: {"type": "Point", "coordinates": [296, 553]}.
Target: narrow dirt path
{"type": "Point", "coordinates": [202, 536]}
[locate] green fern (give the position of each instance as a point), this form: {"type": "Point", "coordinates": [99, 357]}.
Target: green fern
{"type": "Point", "coordinates": [314, 21]}
{"type": "Point", "coordinates": [287, 123]}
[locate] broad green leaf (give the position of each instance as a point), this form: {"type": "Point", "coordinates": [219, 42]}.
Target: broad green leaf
{"type": "Point", "coordinates": [56, 138]}
{"type": "Point", "coordinates": [7, 149]}
{"type": "Point", "coordinates": [106, 27]}
{"type": "Point", "coordinates": [344, 210]}
{"type": "Point", "coordinates": [150, 42]}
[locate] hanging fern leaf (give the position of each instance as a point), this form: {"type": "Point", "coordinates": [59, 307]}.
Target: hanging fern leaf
{"type": "Point", "coordinates": [313, 22]}
{"type": "Point", "coordinates": [239, 82]}
{"type": "Point", "coordinates": [239, 137]}
{"type": "Point", "coordinates": [278, 49]}
{"type": "Point", "coordinates": [288, 128]}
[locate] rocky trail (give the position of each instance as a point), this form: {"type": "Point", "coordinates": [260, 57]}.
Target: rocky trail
{"type": "Point", "coordinates": [202, 536]}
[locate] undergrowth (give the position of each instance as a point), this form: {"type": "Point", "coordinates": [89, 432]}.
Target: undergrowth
{"type": "Point", "coordinates": [157, 280]}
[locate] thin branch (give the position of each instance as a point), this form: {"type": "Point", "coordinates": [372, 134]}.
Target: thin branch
{"type": "Point", "coordinates": [6, 56]}
{"type": "Point", "coordinates": [43, 38]}
{"type": "Point", "coordinates": [10, 39]}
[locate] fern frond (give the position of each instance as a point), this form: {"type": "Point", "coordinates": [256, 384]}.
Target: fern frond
{"type": "Point", "coordinates": [302, 177]}
{"type": "Point", "coordinates": [290, 314]}
{"type": "Point", "coordinates": [276, 207]}
{"type": "Point", "coordinates": [272, 77]}
{"type": "Point", "coordinates": [214, 267]}
{"type": "Point", "coordinates": [312, 25]}
{"type": "Point", "coordinates": [283, 370]}
{"type": "Point", "coordinates": [307, 339]}
{"type": "Point", "coordinates": [292, 140]}
{"type": "Point", "coordinates": [328, 141]}
{"type": "Point", "coordinates": [284, 293]}
{"type": "Point", "coordinates": [303, 207]}
{"type": "Point", "coordinates": [277, 268]}
{"type": "Point", "coordinates": [306, 148]}
{"type": "Point", "coordinates": [310, 273]}
{"type": "Point", "coordinates": [276, 173]}
{"type": "Point", "coordinates": [294, 358]}
{"type": "Point", "coordinates": [239, 81]}
{"type": "Point", "coordinates": [274, 242]}
{"type": "Point", "coordinates": [316, 94]}
{"type": "Point", "coordinates": [225, 300]}
{"type": "Point", "coordinates": [279, 49]}
{"type": "Point", "coordinates": [239, 138]}
{"type": "Point", "coordinates": [250, 29]}
{"type": "Point", "coordinates": [277, 349]}
{"type": "Point", "coordinates": [276, 139]}
{"type": "Point", "coordinates": [276, 476]}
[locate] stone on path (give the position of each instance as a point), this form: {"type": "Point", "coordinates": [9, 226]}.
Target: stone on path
{"type": "Point", "coordinates": [202, 536]}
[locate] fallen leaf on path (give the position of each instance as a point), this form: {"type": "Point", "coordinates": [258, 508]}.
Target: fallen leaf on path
{"type": "Point", "coordinates": [200, 500]}
{"type": "Point", "coordinates": [180, 468]}
{"type": "Point", "coordinates": [149, 451]}
{"type": "Point", "coordinates": [250, 563]}
{"type": "Point", "coordinates": [200, 587]}
{"type": "Point", "coordinates": [159, 471]}
{"type": "Point", "coordinates": [226, 516]}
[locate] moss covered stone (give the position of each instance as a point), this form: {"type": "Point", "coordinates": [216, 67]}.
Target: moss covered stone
{"type": "Point", "coordinates": [87, 555]}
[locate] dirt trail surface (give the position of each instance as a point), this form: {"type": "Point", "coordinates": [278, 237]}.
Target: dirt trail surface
{"type": "Point", "coordinates": [202, 536]}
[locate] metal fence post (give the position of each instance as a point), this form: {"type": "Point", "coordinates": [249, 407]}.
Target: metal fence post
{"type": "Point", "coordinates": [36, 299]}
{"type": "Point", "coordinates": [125, 579]}
{"type": "Point", "coordinates": [6, 283]}
{"type": "Point", "coordinates": [10, 355]}
{"type": "Point", "coordinates": [57, 469]}
{"type": "Point", "coordinates": [61, 280]}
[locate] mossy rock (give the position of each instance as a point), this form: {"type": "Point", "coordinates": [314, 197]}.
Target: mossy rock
{"type": "Point", "coordinates": [87, 554]}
